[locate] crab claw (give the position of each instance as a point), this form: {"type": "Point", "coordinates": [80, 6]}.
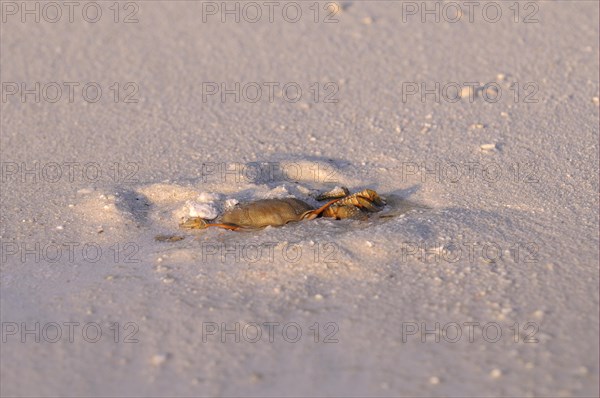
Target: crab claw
{"type": "Point", "coordinates": [194, 223]}
{"type": "Point", "coordinates": [312, 214]}
{"type": "Point", "coordinates": [372, 197]}
{"type": "Point", "coordinates": [356, 206]}
{"type": "Point", "coordinates": [364, 203]}
{"type": "Point", "coordinates": [200, 223]}
{"type": "Point", "coordinates": [335, 193]}
{"type": "Point", "coordinates": [342, 212]}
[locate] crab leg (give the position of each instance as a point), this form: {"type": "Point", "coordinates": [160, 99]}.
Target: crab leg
{"type": "Point", "coordinates": [315, 213]}
{"type": "Point", "coordinates": [365, 203]}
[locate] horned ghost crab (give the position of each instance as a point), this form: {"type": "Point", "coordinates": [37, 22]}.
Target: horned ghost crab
{"type": "Point", "coordinates": [278, 212]}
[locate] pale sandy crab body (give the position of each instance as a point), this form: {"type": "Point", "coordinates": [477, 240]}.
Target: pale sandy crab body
{"type": "Point", "coordinates": [278, 212]}
{"type": "Point", "coordinates": [265, 212]}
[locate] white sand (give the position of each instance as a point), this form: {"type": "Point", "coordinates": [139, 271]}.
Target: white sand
{"type": "Point", "coordinates": [362, 280]}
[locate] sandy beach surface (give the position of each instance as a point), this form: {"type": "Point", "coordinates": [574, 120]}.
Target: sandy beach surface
{"type": "Point", "coordinates": [121, 119]}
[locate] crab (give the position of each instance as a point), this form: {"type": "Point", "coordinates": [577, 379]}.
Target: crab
{"type": "Point", "coordinates": [278, 212]}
